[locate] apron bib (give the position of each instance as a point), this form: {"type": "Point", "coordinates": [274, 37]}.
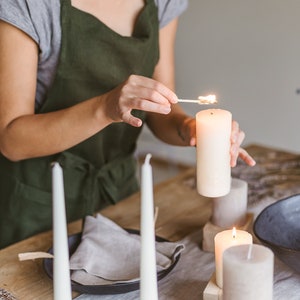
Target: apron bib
{"type": "Point", "coordinates": [101, 170]}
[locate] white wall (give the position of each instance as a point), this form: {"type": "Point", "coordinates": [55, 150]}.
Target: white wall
{"type": "Point", "coordinates": [247, 52]}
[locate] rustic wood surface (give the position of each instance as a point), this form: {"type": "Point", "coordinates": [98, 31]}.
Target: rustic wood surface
{"type": "Point", "coordinates": [181, 210]}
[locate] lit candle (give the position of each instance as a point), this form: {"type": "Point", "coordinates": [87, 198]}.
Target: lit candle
{"type": "Point", "coordinates": [61, 269]}
{"type": "Point", "coordinates": [248, 273]}
{"type": "Point", "coordinates": [230, 210]}
{"type": "Point", "coordinates": [213, 131]}
{"type": "Point", "coordinates": [224, 240]}
{"type": "Point", "coordinates": [148, 284]}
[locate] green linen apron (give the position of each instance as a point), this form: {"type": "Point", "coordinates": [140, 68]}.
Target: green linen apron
{"type": "Point", "coordinates": [101, 170]}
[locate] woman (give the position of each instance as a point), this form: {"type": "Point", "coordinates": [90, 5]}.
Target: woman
{"type": "Point", "coordinates": [78, 78]}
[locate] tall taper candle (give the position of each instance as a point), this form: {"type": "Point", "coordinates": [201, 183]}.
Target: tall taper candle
{"type": "Point", "coordinates": [61, 269]}
{"type": "Point", "coordinates": [148, 283]}
{"type": "Point", "coordinates": [213, 130]}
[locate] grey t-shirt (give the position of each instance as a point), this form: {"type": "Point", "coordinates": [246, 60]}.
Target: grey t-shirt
{"type": "Point", "coordinates": [40, 19]}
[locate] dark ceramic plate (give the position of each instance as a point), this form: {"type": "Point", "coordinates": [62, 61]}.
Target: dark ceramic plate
{"type": "Point", "coordinates": [111, 289]}
{"type": "Point", "coordinates": [278, 227]}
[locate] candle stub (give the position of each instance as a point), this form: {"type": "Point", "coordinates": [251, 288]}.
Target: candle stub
{"type": "Point", "coordinates": [248, 273]}
{"type": "Point", "coordinates": [213, 131]}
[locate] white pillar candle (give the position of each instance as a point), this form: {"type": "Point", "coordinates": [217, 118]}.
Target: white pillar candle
{"type": "Point", "coordinates": [230, 210]}
{"type": "Point", "coordinates": [148, 273]}
{"type": "Point", "coordinates": [224, 240]}
{"type": "Point", "coordinates": [213, 131]}
{"type": "Point", "coordinates": [61, 268]}
{"type": "Point", "coordinates": [248, 273]}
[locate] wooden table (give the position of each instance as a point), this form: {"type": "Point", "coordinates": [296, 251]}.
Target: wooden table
{"type": "Point", "coordinates": [181, 211]}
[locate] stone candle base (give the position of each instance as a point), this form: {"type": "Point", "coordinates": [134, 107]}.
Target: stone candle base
{"type": "Point", "coordinates": [210, 230]}
{"type": "Point", "coordinates": [212, 291]}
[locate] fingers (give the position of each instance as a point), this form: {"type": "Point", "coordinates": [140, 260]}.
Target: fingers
{"type": "Point", "coordinates": [142, 93]}
{"type": "Point", "coordinates": [235, 148]}
{"type": "Point", "coordinates": [245, 156]}
{"type": "Point", "coordinates": [237, 138]}
{"type": "Point", "coordinates": [154, 90]}
{"type": "Point", "coordinates": [133, 121]}
{"type": "Point", "coordinates": [193, 141]}
{"type": "Point", "coordinates": [146, 104]}
{"type": "Point", "coordinates": [146, 94]}
{"type": "Point", "coordinates": [137, 92]}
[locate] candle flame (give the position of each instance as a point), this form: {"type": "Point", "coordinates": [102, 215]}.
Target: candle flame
{"type": "Point", "coordinates": [234, 232]}
{"type": "Point", "coordinates": [210, 99]}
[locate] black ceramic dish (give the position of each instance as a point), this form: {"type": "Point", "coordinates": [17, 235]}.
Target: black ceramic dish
{"type": "Point", "coordinates": [278, 227]}
{"type": "Point", "coordinates": [111, 289]}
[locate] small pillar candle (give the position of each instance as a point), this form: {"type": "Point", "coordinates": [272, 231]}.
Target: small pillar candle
{"type": "Point", "coordinates": [148, 273]}
{"type": "Point", "coordinates": [248, 273]}
{"type": "Point", "coordinates": [213, 131]}
{"type": "Point", "coordinates": [224, 240]}
{"type": "Point", "coordinates": [230, 210]}
{"type": "Point", "coordinates": [61, 266]}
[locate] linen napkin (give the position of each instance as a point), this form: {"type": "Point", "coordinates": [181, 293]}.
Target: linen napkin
{"type": "Point", "coordinates": [189, 278]}
{"type": "Point", "coordinates": [108, 254]}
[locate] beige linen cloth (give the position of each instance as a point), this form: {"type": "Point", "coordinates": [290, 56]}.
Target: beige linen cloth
{"type": "Point", "coordinates": [109, 254]}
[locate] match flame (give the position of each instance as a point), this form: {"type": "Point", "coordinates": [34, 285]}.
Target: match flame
{"type": "Point", "coordinates": [210, 99]}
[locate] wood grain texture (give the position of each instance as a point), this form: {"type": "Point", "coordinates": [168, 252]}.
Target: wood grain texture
{"type": "Point", "coordinates": [181, 211]}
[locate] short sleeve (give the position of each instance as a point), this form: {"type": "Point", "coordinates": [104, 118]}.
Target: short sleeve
{"type": "Point", "coordinates": [16, 13]}
{"type": "Point", "coordinates": [169, 10]}
{"type": "Point", "coordinates": [39, 19]}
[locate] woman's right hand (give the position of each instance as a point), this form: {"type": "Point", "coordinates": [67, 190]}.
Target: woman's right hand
{"type": "Point", "coordinates": [137, 92]}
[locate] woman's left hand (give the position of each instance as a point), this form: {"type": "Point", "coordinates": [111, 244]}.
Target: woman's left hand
{"type": "Point", "coordinates": [237, 138]}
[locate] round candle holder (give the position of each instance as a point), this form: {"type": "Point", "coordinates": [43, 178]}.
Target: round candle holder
{"type": "Point", "coordinates": [227, 212]}
{"type": "Point", "coordinates": [230, 210]}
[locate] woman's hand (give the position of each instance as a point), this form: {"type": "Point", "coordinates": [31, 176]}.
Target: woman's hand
{"type": "Point", "coordinates": [237, 137]}
{"type": "Point", "coordinates": [188, 134]}
{"type": "Point", "coordinates": [137, 92]}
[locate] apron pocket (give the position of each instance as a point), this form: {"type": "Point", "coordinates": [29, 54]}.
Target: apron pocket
{"type": "Point", "coordinates": [25, 211]}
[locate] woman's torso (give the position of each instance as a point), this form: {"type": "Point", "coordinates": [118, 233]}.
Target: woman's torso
{"type": "Point", "coordinates": [41, 21]}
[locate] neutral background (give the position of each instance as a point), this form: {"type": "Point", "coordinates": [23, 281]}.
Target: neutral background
{"type": "Point", "coordinates": [247, 52]}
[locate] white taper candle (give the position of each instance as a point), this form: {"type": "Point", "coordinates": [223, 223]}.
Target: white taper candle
{"type": "Point", "coordinates": [61, 268]}
{"type": "Point", "coordinates": [148, 273]}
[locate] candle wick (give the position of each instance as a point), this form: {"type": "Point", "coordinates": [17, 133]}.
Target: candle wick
{"type": "Point", "coordinates": [147, 159]}
{"type": "Point", "coordinates": [155, 214]}
{"type": "Point", "coordinates": [233, 232]}
{"type": "Point", "coordinates": [249, 252]}
{"type": "Point", "coordinates": [54, 163]}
